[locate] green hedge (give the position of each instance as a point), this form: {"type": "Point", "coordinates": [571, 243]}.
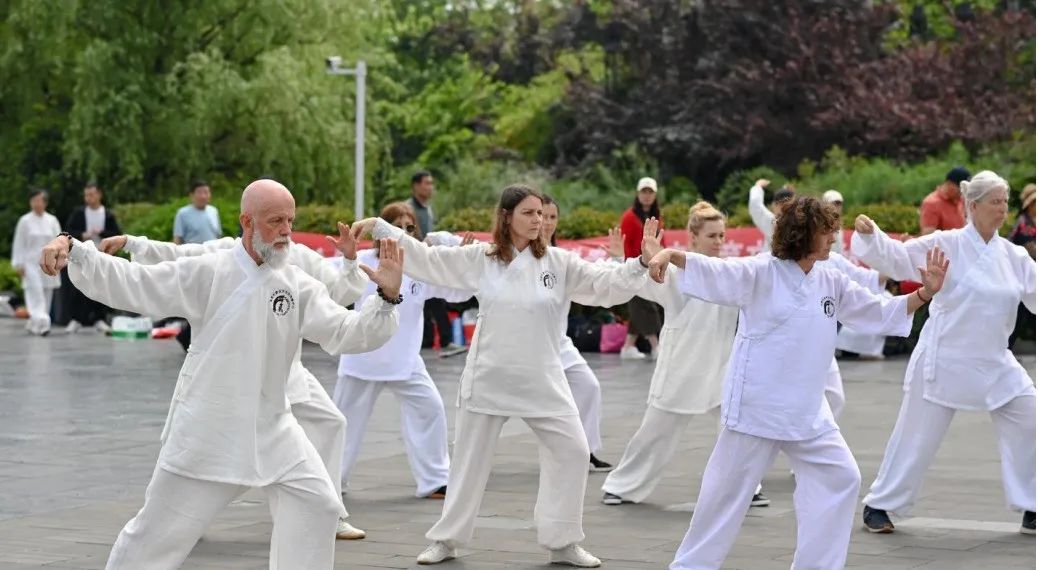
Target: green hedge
{"type": "Point", "coordinates": [156, 220]}
{"type": "Point", "coordinates": [9, 279]}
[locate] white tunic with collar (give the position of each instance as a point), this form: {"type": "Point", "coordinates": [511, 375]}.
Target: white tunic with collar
{"type": "Point", "coordinates": [230, 419]}
{"type": "Point", "coordinates": [786, 338]}
{"type": "Point", "coordinates": [344, 284]}
{"type": "Point", "coordinates": [513, 367]}
{"type": "Point", "coordinates": [966, 364]}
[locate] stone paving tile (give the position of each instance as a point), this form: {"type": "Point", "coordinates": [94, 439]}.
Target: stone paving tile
{"type": "Point", "coordinates": [80, 418]}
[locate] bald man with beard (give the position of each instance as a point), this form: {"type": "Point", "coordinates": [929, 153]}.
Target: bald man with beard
{"type": "Point", "coordinates": [230, 425]}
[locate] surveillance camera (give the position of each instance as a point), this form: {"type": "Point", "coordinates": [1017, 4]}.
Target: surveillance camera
{"type": "Point", "coordinates": [333, 62]}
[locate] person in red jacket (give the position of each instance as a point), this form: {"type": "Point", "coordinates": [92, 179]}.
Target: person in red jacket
{"type": "Point", "coordinates": [646, 317]}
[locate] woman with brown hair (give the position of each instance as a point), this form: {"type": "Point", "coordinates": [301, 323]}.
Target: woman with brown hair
{"type": "Point", "coordinates": [775, 382]}
{"type": "Point", "coordinates": [513, 368]}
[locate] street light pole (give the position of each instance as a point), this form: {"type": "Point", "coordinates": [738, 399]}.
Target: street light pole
{"type": "Point", "coordinates": [334, 67]}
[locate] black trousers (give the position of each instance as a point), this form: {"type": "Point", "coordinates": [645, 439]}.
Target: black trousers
{"type": "Point", "coordinates": [436, 315]}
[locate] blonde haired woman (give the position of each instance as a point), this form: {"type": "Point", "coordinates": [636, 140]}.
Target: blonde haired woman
{"type": "Point", "coordinates": [961, 361]}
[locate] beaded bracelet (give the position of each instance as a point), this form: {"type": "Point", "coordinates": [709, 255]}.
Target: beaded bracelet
{"type": "Point", "coordinates": [399, 298]}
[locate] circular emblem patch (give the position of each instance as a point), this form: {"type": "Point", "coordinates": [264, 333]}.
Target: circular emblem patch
{"type": "Point", "coordinates": [548, 279]}
{"type": "Point", "coordinates": [416, 288]}
{"type": "Point", "coordinates": [281, 302]}
{"type": "Point", "coordinates": [829, 306]}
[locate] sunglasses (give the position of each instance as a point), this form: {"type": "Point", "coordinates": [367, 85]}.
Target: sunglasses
{"type": "Point", "coordinates": [409, 228]}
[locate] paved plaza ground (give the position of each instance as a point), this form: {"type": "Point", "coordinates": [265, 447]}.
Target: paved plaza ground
{"type": "Point", "coordinates": [80, 418]}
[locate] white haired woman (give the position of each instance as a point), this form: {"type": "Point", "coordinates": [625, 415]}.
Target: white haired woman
{"type": "Point", "coordinates": [961, 361]}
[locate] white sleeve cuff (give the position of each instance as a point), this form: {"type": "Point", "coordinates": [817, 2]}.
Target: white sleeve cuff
{"type": "Point", "coordinates": [79, 250]}
{"type": "Point", "coordinates": [384, 229]}
{"type": "Point", "coordinates": [133, 244]}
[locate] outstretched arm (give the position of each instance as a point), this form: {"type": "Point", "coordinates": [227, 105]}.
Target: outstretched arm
{"type": "Point", "coordinates": [443, 266]}
{"type": "Point", "coordinates": [887, 255]}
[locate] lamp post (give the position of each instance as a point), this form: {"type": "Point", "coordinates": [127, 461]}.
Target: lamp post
{"type": "Point", "coordinates": [335, 67]}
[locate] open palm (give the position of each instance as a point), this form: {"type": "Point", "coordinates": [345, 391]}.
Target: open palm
{"type": "Point", "coordinates": [935, 271]}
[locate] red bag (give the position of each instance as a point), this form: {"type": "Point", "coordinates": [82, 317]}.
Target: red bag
{"type": "Point", "coordinates": [613, 336]}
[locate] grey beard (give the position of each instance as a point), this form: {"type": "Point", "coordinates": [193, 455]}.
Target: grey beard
{"type": "Point", "coordinates": [270, 255]}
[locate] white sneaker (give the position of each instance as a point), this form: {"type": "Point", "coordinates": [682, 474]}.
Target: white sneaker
{"type": "Point", "coordinates": [631, 353]}
{"type": "Point", "coordinates": [652, 355]}
{"type": "Point", "coordinates": [73, 327]}
{"type": "Point", "coordinates": [346, 531]}
{"type": "Point", "coordinates": [573, 555]}
{"type": "Point", "coordinates": [102, 327]}
{"type": "Point", "coordinates": [437, 552]}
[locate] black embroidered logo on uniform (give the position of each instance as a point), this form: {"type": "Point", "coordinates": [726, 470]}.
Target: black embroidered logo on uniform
{"type": "Point", "coordinates": [829, 306]}
{"type": "Point", "coordinates": [416, 288]}
{"type": "Point", "coordinates": [548, 279]}
{"type": "Point", "coordinates": [281, 302]}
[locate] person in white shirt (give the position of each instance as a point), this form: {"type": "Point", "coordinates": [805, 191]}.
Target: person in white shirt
{"type": "Point", "coordinates": [764, 217]}
{"type": "Point", "coordinates": [835, 199]}
{"type": "Point", "coordinates": [773, 397]}
{"type": "Point", "coordinates": [398, 365]}
{"type": "Point", "coordinates": [229, 424]}
{"type": "Point", "coordinates": [319, 417]}
{"type": "Point", "coordinates": [33, 231]}
{"type": "Point", "coordinates": [961, 361]}
{"type": "Point", "coordinates": [513, 368]}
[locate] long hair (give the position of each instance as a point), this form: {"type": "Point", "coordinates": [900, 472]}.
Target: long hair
{"type": "Point", "coordinates": [552, 241]}
{"type": "Point", "coordinates": [654, 209]}
{"type": "Point", "coordinates": [799, 224]}
{"type": "Point", "coordinates": [501, 249]}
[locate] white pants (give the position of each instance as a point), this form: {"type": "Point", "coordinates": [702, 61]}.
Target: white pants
{"type": "Point", "coordinates": [834, 390]}
{"type": "Point", "coordinates": [825, 499]}
{"type": "Point", "coordinates": [37, 301]}
{"type": "Point", "coordinates": [325, 427]}
{"type": "Point", "coordinates": [559, 511]}
{"type": "Point", "coordinates": [587, 393]}
{"type": "Point", "coordinates": [921, 426]}
{"type": "Point", "coordinates": [649, 451]}
{"type": "Point", "coordinates": [423, 424]}
{"type": "Point", "coordinates": [177, 510]}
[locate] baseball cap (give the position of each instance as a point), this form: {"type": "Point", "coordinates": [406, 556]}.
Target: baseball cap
{"type": "Point", "coordinates": [957, 175]}
{"type": "Point", "coordinates": [647, 182]}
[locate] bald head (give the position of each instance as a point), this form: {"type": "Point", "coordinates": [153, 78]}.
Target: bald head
{"type": "Point", "coordinates": [267, 212]}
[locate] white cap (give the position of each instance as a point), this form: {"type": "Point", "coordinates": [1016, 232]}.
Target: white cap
{"type": "Point", "coordinates": [831, 196]}
{"type": "Point", "coordinates": [647, 182]}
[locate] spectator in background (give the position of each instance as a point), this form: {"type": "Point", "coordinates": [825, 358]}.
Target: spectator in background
{"type": "Point", "coordinates": [836, 199]}
{"type": "Point", "coordinates": [763, 216]}
{"type": "Point", "coordinates": [33, 231]}
{"type": "Point", "coordinates": [422, 189]}
{"type": "Point", "coordinates": [1023, 234]}
{"type": "Point", "coordinates": [198, 222]}
{"type": "Point", "coordinates": [89, 222]}
{"type": "Point", "coordinates": [646, 317]}
{"type": "Point", "coordinates": [944, 209]}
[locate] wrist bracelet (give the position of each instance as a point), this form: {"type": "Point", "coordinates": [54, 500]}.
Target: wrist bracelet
{"type": "Point", "coordinates": [921, 298]}
{"type": "Point", "coordinates": [68, 236]}
{"type": "Point", "coordinates": [643, 264]}
{"type": "Point", "coordinates": [399, 297]}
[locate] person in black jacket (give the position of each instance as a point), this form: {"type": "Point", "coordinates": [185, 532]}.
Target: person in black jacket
{"type": "Point", "coordinates": [92, 221]}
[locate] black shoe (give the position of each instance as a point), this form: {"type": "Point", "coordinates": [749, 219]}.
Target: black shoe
{"type": "Point", "coordinates": [599, 466]}
{"type": "Point", "coordinates": [611, 499]}
{"type": "Point", "coordinates": [878, 522]}
{"type": "Point", "coordinates": [1027, 526]}
{"type": "Point", "coordinates": [440, 493]}
{"type": "Point", "coordinates": [759, 500]}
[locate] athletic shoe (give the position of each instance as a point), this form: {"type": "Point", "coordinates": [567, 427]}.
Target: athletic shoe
{"type": "Point", "coordinates": [452, 350]}
{"type": "Point", "coordinates": [759, 500]}
{"type": "Point", "coordinates": [346, 531]}
{"type": "Point", "coordinates": [73, 327]}
{"type": "Point", "coordinates": [1027, 526]}
{"type": "Point", "coordinates": [599, 466]}
{"type": "Point", "coordinates": [631, 353]}
{"type": "Point", "coordinates": [437, 552]}
{"type": "Point", "coordinates": [573, 555]}
{"type": "Point", "coordinates": [102, 327]}
{"type": "Point", "coordinates": [440, 493]}
{"type": "Point", "coordinates": [612, 500]}
{"type": "Point", "coordinates": [878, 522]}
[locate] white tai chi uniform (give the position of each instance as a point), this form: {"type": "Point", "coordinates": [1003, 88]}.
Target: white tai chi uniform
{"type": "Point", "coordinates": [773, 401]}
{"type": "Point", "coordinates": [961, 361]}
{"type": "Point", "coordinates": [762, 217]}
{"type": "Point", "coordinates": [320, 419]}
{"type": "Point", "coordinates": [398, 365]}
{"type": "Point", "coordinates": [583, 383]}
{"type": "Point", "coordinates": [31, 234]}
{"type": "Point", "coordinates": [513, 369]}
{"type": "Point", "coordinates": [693, 355]}
{"type": "Point", "coordinates": [229, 424]}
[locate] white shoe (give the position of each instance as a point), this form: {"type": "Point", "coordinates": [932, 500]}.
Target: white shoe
{"type": "Point", "coordinates": [102, 327]}
{"type": "Point", "coordinates": [652, 355]}
{"type": "Point", "coordinates": [437, 552]}
{"type": "Point", "coordinates": [631, 353]}
{"type": "Point", "coordinates": [346, 531]}
{"type": "Point", "coordinates": [73, 327]}
{"type": "Point", "coordinates": [573, 555]}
